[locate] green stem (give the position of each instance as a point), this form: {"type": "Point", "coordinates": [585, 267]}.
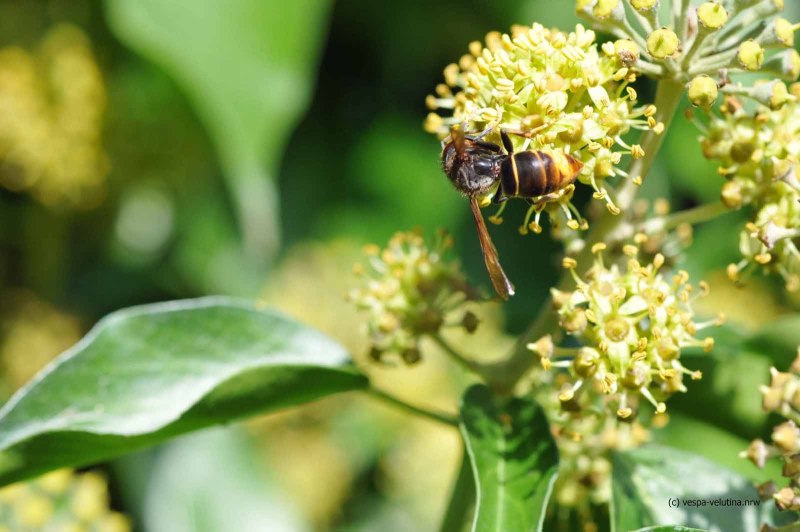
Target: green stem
{"type": "Point", "coordinates": [462, 498]}
{"type": "Point", "coordinates": [679, 11]}
{"type": "Point", "coordinates": [441, 417]}
{"type": "Point", "coordinates": [693, 216]}
{"type": "Point", "coordinates": [457, 357]}
{"type": "Point", "coordinates": [504, 375]}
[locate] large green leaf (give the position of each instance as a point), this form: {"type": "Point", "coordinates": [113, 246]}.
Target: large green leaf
{"type": "Point", "coordinates": [148, 373]}
{"type": "Point", "coordinates": [514, 460]}
{"type": "Point", "coordinates": [248, 66]}
{"type": "Point", "coordinates": [656, 484]}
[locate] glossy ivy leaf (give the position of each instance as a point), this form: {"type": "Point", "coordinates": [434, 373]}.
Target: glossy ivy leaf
{"type": "Point", "coordinates": [149, 373]}
{"type": "Point", "coordinates": [248, 67]}
{"type": "Point", "coordinates": [514, 460]}
{"type": "Point", "coordinates": [656, 484]}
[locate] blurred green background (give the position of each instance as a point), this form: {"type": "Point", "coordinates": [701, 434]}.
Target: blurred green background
{"type": "Point", "coordinates": [155, 150]}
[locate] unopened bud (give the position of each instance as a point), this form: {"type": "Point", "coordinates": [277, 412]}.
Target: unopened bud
{"type": "Point", "coordinates": [627, 51]}
{"type": "Point", "coordinates": [782, 32]}
{"type": "Point", "coordinates": [703, 91]}
{"type": "Point", "coordinates": [731, 195]}
{"type": "Point", "coordinates": [607, 8]}
{"type": "Point", "coordinates": [712, 15]}
{"type": "Point", "coordinates": [644, 5]}
{"type": "Point", "coordinates": [751, 55]}
{"type": "Point", "coordinates": [664, 43]}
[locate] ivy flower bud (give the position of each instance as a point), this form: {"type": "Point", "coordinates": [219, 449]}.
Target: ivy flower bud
{"type": "Point", "coordinates": [411, 290]}
{"type": "Point", "coordinates": [663, 43]}
{"type": "Point", "coordinates": [750, 55]}
{"type": "Point", "coordinates": [644, 5]}
{"type": "Point", "coordinates": [637, 322]}
{"type": "Point", "coordinates": [712, 15]}
{"type": "Point", "coordinates": [783, 32]}
{"type": "Point", "coordinates": [703, 91]}
{"type": "Point", "coordinates": [605, 8]}
{"type": "Point", "coordinates": [627, 51]}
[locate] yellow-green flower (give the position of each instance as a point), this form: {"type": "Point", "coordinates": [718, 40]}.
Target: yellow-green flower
{"type": "Point", "coordinates": [552, 91]}
{"type": "Point", "coordinates": [411, 290]}
{"type": "Point", "coordinates": [633, 323]}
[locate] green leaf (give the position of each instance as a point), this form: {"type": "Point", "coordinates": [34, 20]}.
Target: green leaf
{"type": "Point", "coordinates": [146, 374]}
{"type": "Point", "coordinates": [720, 446]}
{"type": "Point", "coordinates": [778, 341]}
{"type": "Point", "coordinates": [248, 66]}
{"type": "Point", "coordinates": [211, 482]}
{"type": "Point", "coordinates": [656, 484]}
{"type": "Point", "coordinates": [514, 460]}
{"type": "Point", "coordinates": [733, 373]}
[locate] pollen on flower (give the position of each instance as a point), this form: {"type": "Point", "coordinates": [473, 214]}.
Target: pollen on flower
{"type": "Point", "coordinates": [633, 323]}
{"type": "Point", "coordinates": [410, 289]}
{"type": "Point", "coordinates": [555, 92]}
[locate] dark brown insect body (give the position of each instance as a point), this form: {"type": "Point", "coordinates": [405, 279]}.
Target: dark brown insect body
{"type": "Point", "coordinates": [532, 174]}
{"type": "Point", "coordinates": [475, 166]}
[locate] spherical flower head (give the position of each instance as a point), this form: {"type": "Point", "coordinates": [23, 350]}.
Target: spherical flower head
{"type": "Point", "coordinates": [552, 91]}
{"type": "Point", "coordinates": [411, 290]}
{"type": "Point", "coordinates": [758, 153]}
{"type": "Point", "coordinates": [634, 323]}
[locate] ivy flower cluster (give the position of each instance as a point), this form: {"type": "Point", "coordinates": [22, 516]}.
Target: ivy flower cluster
{"type": "Point", "coordinates": [60, 500]}
{"type": "Point", "coordinates": [51, 114]}
{"type": "Point", "coordinates": [553, 91]}
{"type": "Point", "coordinates": [632, 323]}
{"type": "Point", "coordinates": [782, 396]}
{"type": "Point", "coordinates": [700, 45]}
{"type": "Point", "coordinates": [757, 154]}
{"type": "Point", "coordinates": [585, 436]}
{"type": "Point", "coordinates": [411, 290]}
